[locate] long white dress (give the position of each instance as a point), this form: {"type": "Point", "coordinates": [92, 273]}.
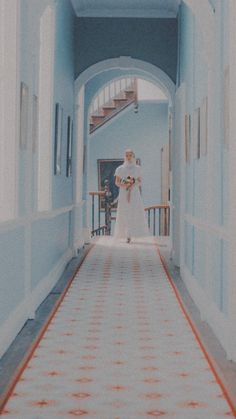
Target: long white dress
{"type": "Point", "coordinates": [130, 218]}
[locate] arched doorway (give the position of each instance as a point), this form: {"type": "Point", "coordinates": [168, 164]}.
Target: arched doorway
{"type": "Point", "coordinates": [150, 72]}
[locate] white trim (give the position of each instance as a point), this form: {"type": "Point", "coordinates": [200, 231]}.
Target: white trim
{"type": "Point", "coordinates": [127, 13]}
{"type": "Point", "coordinates": [129, 63]}
{"type": "Point", "coordinates": [208, 309]}
{"type": "Point", "coordinates": [26, 309]}
{"type": "Point", "coordinates": [221, 232]}
{"type": "Point", "coordinates": [46, 284]}
{"type": "Point", "coordinates": [46, 96]}
{"type": "Point", "coordinates": [24, 221]}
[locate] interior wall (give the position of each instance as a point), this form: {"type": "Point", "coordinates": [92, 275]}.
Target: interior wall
{"type": "Point", "coordinates": [35, 247]}
{"type": "Point", "coordinates": [206, 179]}
{"type": "Point", "coordinates": [145, 132]}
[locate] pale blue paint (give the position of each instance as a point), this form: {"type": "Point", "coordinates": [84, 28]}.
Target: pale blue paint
{"type": "Point", "coordinates": [193, 71]}
{"type": "Point", "coordinates": [145, 132]}
{"type": "Point", "coordinates": [12, 271]}
{"type": "Point", "coordinates": [64, 93]}
{"type": "Point", "coordinates": [50, 240]}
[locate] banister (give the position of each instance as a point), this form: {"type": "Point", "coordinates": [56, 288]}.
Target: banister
{"type": "Point", "coordinates": [157, 207]}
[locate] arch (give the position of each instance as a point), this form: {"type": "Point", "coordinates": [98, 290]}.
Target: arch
{"type": "Point", "coordinates": [129, 63]}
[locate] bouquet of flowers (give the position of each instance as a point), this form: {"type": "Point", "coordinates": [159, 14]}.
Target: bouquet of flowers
{"type": "Point", "coordinates": [128, 181]}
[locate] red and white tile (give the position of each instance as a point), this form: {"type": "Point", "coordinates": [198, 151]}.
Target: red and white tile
{"type": "Point", "coordinates": [119, 347]}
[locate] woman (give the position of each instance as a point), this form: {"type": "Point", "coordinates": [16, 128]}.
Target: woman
{"type": "Point", "coordinates": [130, 219]}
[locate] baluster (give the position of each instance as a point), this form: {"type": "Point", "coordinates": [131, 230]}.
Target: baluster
{"type": "Point", "coordinates": [99, 213]}
{"type": "Point", "coordinates": [92, 212]}
{"type": "Point", "coordinates": [154, 221]}
{"type": "Point", "coordinates": [159, 221]}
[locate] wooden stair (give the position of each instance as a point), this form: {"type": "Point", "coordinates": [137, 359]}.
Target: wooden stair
{"type": "Point", "coordinates": [109, 110]}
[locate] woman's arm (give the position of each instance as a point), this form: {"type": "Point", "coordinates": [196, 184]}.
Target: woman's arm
{"type": "Point", "coordinates": [118, 182]}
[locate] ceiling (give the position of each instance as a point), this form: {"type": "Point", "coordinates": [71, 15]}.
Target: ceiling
{"type": "Point", "coordinates": [126, 8]}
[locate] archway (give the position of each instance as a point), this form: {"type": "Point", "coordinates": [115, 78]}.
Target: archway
{"type": "Point", "coordinates": [125, 63]}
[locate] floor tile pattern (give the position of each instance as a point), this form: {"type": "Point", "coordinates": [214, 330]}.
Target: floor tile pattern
{"type": "Point", "coordinates": [119, 347]}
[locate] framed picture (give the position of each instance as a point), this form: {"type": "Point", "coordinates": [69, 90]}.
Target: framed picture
{"type": "Point", "coordinates": [226, 107]}
{"type": "Point", "coordinates": [170, 139]}
{"type": "Point", "coordinates": [84, 157]}
{"type": "Point", "coordinates": [35, 123]}
{"type": "Point", "coordinates": [203, 127]}
{"type": "Point", "coordinates": [69, 147]}
{"type": "Point", "coordinates": [24, 115]}
{"type": "Point", "coordinates": [106, 170]}
{"type": "Point", "coordinates": [196, 136]}
{"type": "Point", "coordinates": [58, 139]}
{"type": "Point", "coordinates": [187, 131]}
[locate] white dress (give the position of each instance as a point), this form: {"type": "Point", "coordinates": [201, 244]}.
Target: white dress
{"type": "Point", "coordinates": [130, 218]}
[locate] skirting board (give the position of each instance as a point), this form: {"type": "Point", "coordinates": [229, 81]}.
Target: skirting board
{"type": "Point", "coordinates": [208, 310]}
{"type": "Point", "coordinates": [27, 307]}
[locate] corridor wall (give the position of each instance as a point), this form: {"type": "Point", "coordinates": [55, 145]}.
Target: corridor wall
{"type": "Point", "coordinates": [36, 246]}
{"type": "Point", "coordinates": [204, 268]}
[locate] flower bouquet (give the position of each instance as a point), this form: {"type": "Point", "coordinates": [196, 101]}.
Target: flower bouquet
{"type": "Point", "coordinates": [129, 181]}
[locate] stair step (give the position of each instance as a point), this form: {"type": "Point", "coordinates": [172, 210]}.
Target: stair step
{"type": "Point", "coordinates": [120, 101]}
{"type": "Point", "coordinates": [129, 94]}
{"type": "Point", "coordinates": [107, 110]}
{"type": "Point", "coordinates": [97, 119]}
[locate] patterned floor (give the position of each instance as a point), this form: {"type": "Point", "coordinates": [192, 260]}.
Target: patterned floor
{"type": "Point", "coordinates": [119, 347]}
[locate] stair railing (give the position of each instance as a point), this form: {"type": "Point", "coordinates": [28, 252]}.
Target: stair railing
{"type": "Point", "coordinates": [158, 215]}
{"type": "Point", "coordinates": [110, 91]}
{"type": "Point", "coordinates": [159, 219]}
{"type": "Point", "coordinates": [106, 197]}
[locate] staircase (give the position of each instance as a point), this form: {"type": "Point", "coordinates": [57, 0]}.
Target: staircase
{"type": "Point", "coordinates": [111, 100]}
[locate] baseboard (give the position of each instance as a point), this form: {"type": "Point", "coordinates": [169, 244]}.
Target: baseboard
{"type": "Point", "coordinates": [208, 309]}
{"type": "Point", "coordinates": [26, 309]}
{"type": "Point", "coordinates": [46, 284]}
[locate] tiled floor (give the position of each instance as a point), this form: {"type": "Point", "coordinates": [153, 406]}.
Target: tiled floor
{"type": "Point", "coordinates": [119, 347]}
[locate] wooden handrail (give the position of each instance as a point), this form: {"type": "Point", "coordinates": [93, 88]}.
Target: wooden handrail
{"type": "Point", "coordinates": [157, 207]}
{"type": "Point", "coordinates": [97, 193]}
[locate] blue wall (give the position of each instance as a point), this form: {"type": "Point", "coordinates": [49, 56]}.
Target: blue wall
{"type": "Point", "coordinates": [45, 238]}
{"type": "Point", "coordinates": [145, 132]}
{"type": "Point", "coordinates": [193, 71]}
{"type": "Point", "coordinates": [98, 39]}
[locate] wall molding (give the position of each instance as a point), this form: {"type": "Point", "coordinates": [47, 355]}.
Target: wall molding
{"type": "Point", "coordinates": [221, 232]}
{"type": "Point", "coordinates": [26, 309]}
{"type": "Point", "coordinates": [25, 221]}
{"type": "Point", "coordinates": [208, 310]}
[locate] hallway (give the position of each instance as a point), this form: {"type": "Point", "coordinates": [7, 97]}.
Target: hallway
{"type": "Point", "coordinates": [120, 346]}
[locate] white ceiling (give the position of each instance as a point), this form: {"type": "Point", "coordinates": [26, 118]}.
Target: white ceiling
{"type": "Point", "coordinates": [126, 8]}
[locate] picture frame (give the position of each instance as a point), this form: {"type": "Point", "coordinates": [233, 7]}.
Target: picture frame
{"type": "Point", "coordinates": [69, 146]}
{"type": "Point", "coordinates": [24, 115]}
{"type": "Point", "coordinates": [58, 138]}
{"type": "Point", "coordinates": [204, 127]}
{"type": "Point", "coordinates": [106, 170]}
{"type": "Point", "coordinates": [226, 121]}
{"type": "Point", "coordinates": [170, 123]}
{"type": "Point", "coordinates": [84, 157]}
{"type": "Point", "coordinates": [187, 130]}
{"type": "Point", "coordinates": [196, 136]}
{"type": "Point", "coordinates": [35, 119]}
